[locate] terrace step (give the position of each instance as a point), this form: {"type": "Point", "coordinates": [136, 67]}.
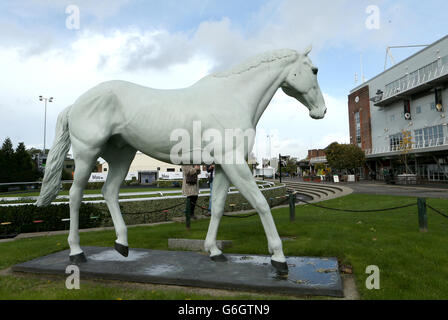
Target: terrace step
{"type": "Point", "coordinates": [317, 192]}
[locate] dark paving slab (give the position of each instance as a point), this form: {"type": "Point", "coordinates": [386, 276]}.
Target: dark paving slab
{"type": "Point", "coordinates": [307, 276]}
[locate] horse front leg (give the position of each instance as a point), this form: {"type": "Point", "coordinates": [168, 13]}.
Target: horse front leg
{"type": "Point", "coordinates": [219, 195]}
{"type": "Point", "coordinates": [241, 177]}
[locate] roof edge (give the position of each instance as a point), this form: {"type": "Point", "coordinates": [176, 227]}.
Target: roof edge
{"type": "Point", "coordinates": [399, 63]}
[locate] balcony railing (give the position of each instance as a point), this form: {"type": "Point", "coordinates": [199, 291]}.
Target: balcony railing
{"type": "Point", "coordinates": [430, 72]}
{"type": "Point", "coordinates": [419, 145]}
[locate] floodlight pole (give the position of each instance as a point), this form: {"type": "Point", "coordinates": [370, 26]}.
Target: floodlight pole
{"type": "Point", "coordinates": [41, 98]}
{"type": "Point", "coordinates": [280, 166]}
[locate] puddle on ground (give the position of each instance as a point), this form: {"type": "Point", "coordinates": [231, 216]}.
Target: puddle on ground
{"type": "Point", "coordinates": [112, 255]}
{"type": "Point", "coordinates": [160, 269]}
{"type": "Point", "coordinates": [251, 259]}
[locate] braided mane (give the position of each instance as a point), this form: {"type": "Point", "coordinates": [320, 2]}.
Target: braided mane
{"type": "Point", "coordinates": [256, 61]}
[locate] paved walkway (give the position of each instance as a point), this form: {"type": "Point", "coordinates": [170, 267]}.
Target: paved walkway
{"type": "Point", "coordinates": [381, 188]}
{"type": "Point", "coordinates": [435, 190]}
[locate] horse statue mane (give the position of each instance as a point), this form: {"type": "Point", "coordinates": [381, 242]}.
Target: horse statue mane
{"type": "Point", "coordinates": [256, 61]}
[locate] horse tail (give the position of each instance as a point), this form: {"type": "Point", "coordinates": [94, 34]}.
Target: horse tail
{"type": "Point", "coordinates": [55, 161]}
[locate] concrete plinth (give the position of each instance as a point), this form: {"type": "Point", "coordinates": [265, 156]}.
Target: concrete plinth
{"type": "Point", "coordinates": [307, 276]}
{"type": "Point", "coordinates": [195, 244]}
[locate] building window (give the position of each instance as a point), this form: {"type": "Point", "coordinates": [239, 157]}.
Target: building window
{"type": "Point", "coordinates": [418, 138]}
{"type": "Point", "coordinates": [433, 106]}
{"type": "Point", "coordinates": [104, 169]}
{"type": "Point", "coordinates": [418, 109]}
{"type": "Point", "coordinates": [170, 170]}
{"type": "Point", "coordinates": [395, 141]}
{"type": "Point", "coordinates": [428, 137]}
{"type": "Point", "coordinates": [158, 168]}
{"type": "Point", "coordinates": [358, 129]}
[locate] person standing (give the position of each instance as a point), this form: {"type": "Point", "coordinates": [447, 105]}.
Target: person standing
{"type": "Point", "coordinates": [211, 174]}
{"type": "Point", "coordinates": [190, 185]}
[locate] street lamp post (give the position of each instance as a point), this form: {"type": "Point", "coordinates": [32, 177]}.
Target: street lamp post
{"type": "Point", "coordinates": [41, 98]}
{"type": "Point", "coordinates": [269, 136]}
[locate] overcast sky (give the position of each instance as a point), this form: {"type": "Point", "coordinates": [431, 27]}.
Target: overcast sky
{"type": "Point", "coordinates": [172, 44]}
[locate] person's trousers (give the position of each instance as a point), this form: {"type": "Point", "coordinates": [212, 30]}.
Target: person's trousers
{"type": "Point", "coordinates": [193, 200]}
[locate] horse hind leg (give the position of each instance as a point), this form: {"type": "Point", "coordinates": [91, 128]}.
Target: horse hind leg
{"type": "Point", "coordinates": [119, 160]}
{"type": "Point", "coordinates": [85, 158]}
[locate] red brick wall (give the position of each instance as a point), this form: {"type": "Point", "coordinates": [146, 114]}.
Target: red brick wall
{"type": "Point", "coordinates": [363, 107]}
{"type": "Point", "coordinates": [316, 153]}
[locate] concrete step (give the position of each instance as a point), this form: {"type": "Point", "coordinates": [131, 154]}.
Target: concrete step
{"type": "Point", "coordinates": [318, 192]}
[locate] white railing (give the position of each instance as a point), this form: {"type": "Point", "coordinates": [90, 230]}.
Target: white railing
{"type": "Point", "coordinates": [423, 144]}
{"type": "Point", "coordinates": [417, 78]}
{"type": "Point", "coordinates": [263, 185]}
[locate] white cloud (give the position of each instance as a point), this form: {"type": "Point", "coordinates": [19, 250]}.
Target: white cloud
{"type": "Point", "coordinates": [65, 74]}
{"type": "Point", "coordinates": [294, 132]}
{"type": "Point", "coordinates": [162, 59]}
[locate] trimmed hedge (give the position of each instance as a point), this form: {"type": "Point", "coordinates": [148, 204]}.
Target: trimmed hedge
{"type": "Point", "coordinates": [178, 183]}
{"type": "Point", "coordinates": [90, 186]}
{"type": "Point", "coordinates": [139, 212]}
{"type": "Point", "coordinates": [134, 212]}
{"type": "Point", "coordinates": [22, 217]}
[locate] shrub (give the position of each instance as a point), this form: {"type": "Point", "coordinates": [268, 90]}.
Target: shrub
{"type": "Point", "coordinates": [22, 217]}
{"type": "Point", "coordinates": [134, 212]}
{"type": "Point", "coordinates": [169, 183]}
{"type": "Point", "coordinates": [89, 186]}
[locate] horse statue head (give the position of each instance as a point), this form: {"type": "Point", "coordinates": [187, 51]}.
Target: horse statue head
{"type": "Point", "coordinates": [301, 84]}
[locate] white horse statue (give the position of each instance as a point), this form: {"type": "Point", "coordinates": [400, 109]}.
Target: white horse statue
{"type": "Point", "coordinates": [115, 119]}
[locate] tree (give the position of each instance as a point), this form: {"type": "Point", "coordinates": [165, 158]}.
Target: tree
{"type": "Point", "coordinates": [6, 161]}
{"type": "Point", "coordinates": [346, 157]}
{"type": "Point", "coordinates": [16, 166]}
{"type": "Point", "coordinates": [290, 167]}
{"type": "Point", "coordinates": [25, 170]}
{"type": "Point", "coordinates": [405, 147]}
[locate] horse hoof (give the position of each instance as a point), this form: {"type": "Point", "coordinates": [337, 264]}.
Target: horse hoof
{"type": "Point", "coordinates": [78, 258]}
{"type": "Point", "coordinates": [280, 267]}
{"type": "Point", "coordinates": [123, 250]}
{"type": "Point", "coordinates": [220, 258]}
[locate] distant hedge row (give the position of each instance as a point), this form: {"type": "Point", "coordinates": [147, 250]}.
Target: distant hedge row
{"type": "Point", "coordinates": [97, 215]}
{"type": "Point", "coordinates": [24, 219]}
{"type": "Point", "coordinates": [178, 183]}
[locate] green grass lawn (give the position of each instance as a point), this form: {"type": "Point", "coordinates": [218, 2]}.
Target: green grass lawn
{"type": "Point", "coordinates": [413, 265]}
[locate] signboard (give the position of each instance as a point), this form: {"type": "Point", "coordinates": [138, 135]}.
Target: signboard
{"type": "Point", "coordinates": [102, 176]}
{"type": "Point", "coordinates": [131, 175]}
{"type": "Point", "coordinates": [179, 175]}
{"type": "Point", "coordinates": [98, 177]}
{"type": "Point", "coordinates": [336, 179]}
{"type": "Point", "coordinates": [170, 175]}
{"type": "Point", "coordinates": [351, 178]}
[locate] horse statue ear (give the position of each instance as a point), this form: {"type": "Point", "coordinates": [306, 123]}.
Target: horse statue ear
{"type": "Point", "coordinates": [308, 50]}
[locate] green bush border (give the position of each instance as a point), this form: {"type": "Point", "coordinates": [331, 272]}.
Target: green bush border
{"type": "Point", "coordinates": [22, 218]}
{"type": "Point", "coordinates": [134, 212]}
